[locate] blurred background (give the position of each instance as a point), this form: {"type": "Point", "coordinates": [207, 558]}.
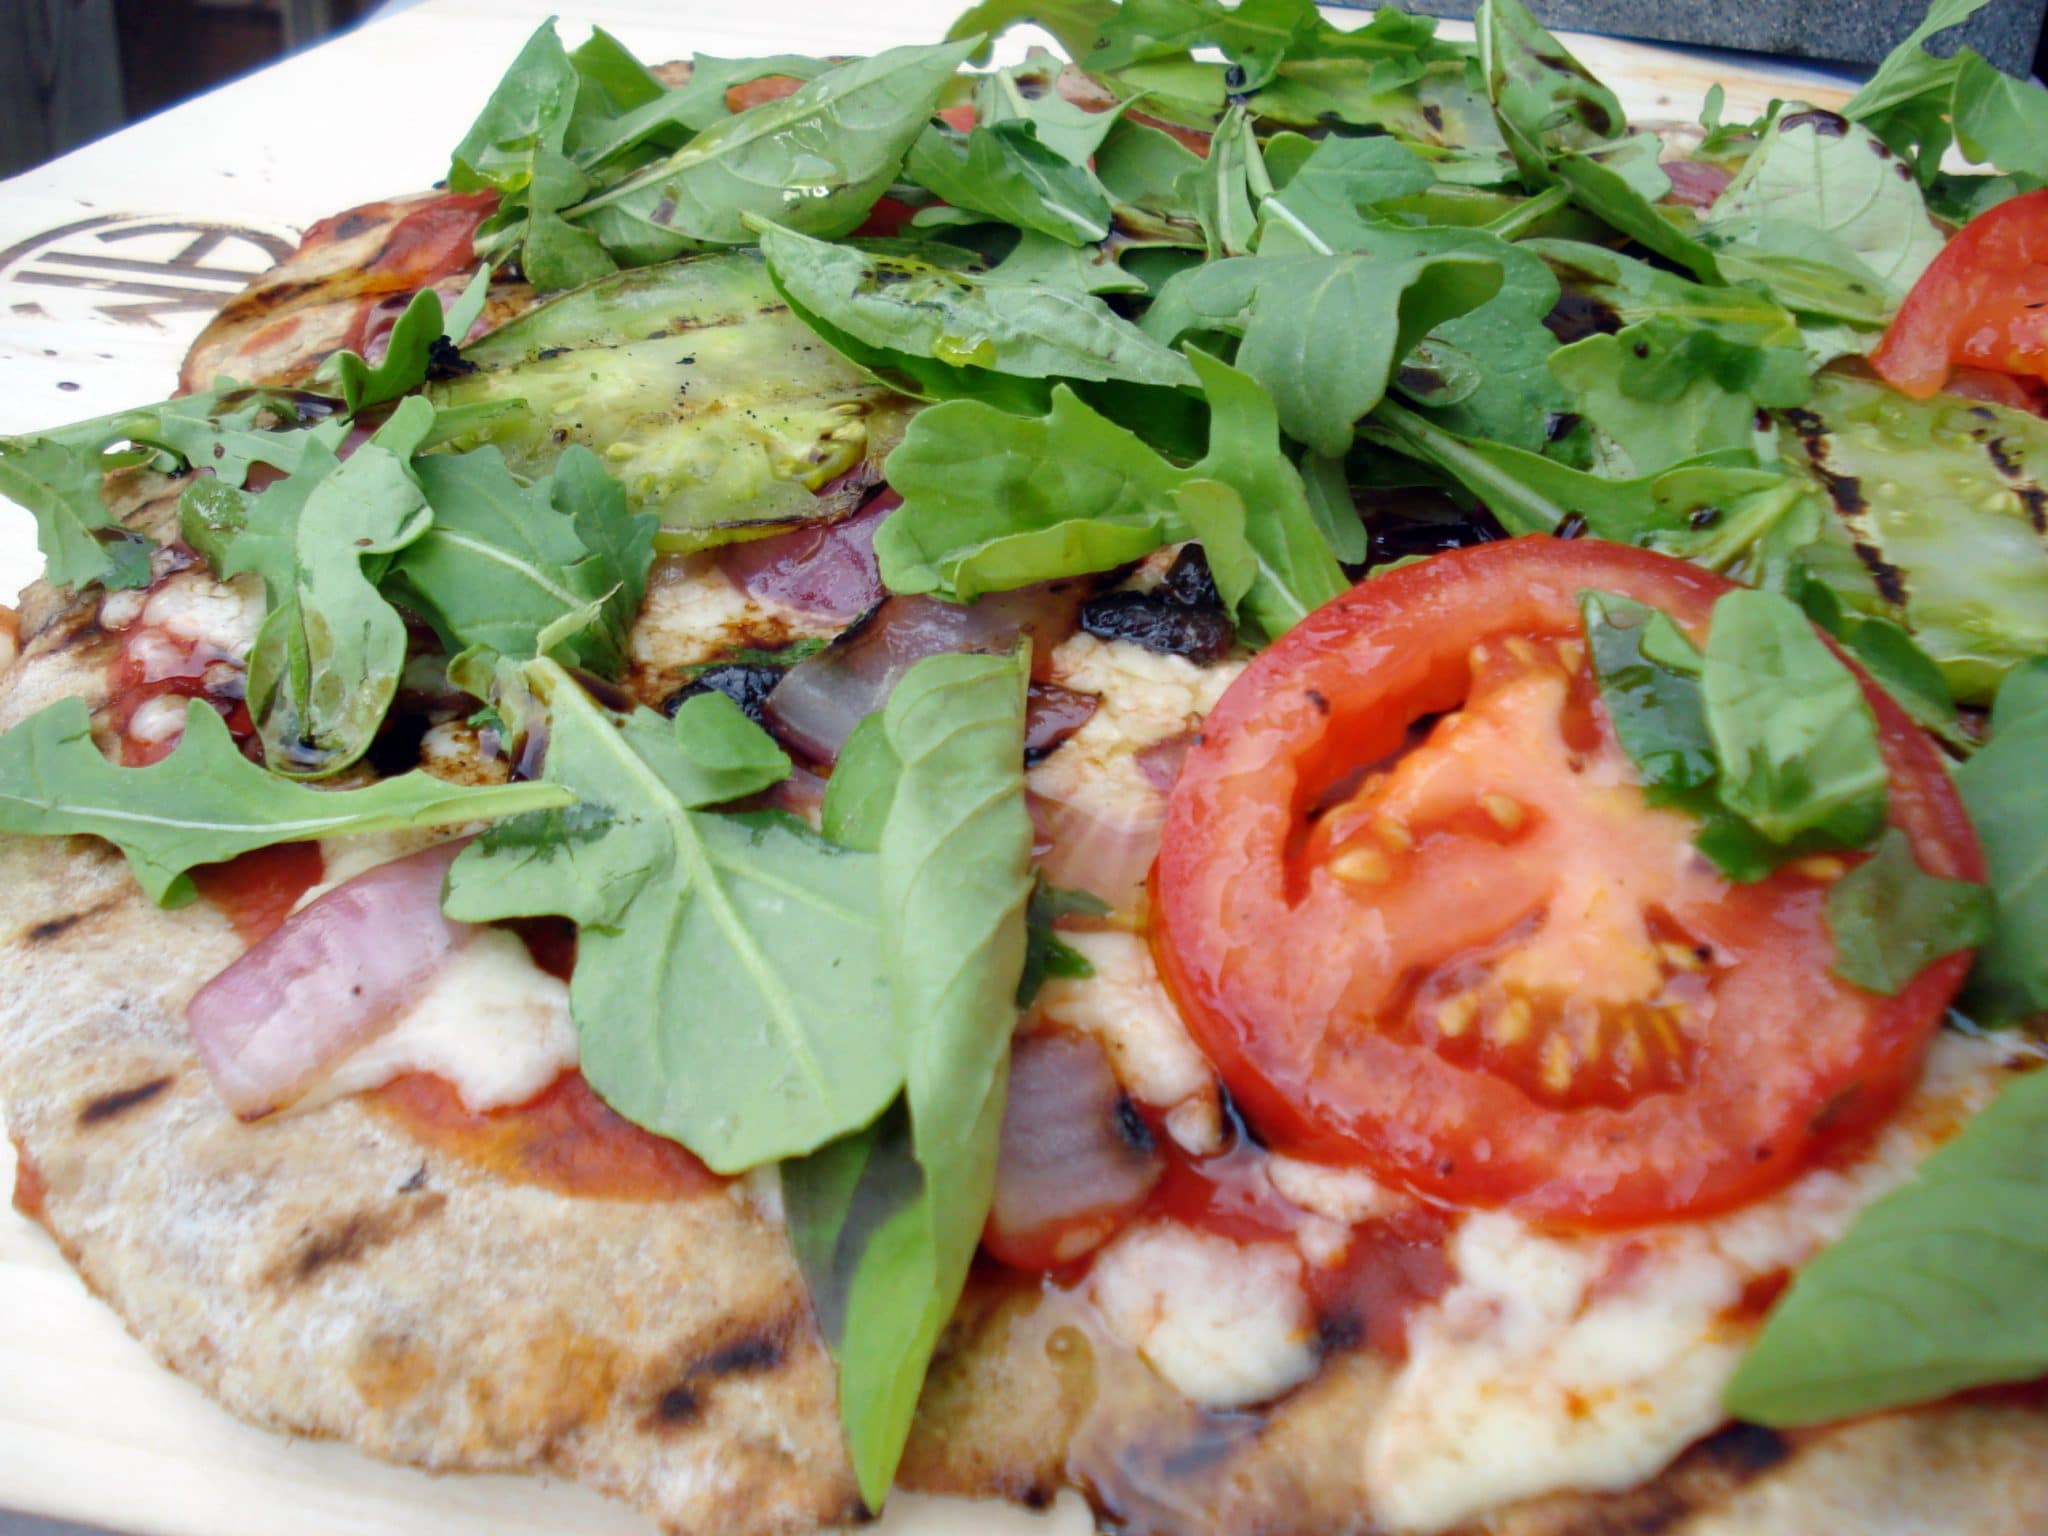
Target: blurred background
{"type": "Point", "coordinates": [71, 70]}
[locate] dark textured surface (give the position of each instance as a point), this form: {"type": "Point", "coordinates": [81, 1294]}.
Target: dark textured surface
{"type": "Point", "coordinates": [1847, 31]}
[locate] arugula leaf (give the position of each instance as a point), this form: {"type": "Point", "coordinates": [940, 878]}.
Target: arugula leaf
{"type": "Point", "coordinates": [411, 347]}
{"type": "Point", "coordinates": [1147, 169]}
{"type": "Point", "coordinates": [1890, 919]}
{"type": "Point", "coordinates": [325, 664]}
{"type": "Point", "coordinates": [1076, 23]}
{"type": "Point", "coordinates": [816, 161]}
{"type": "Point", "coordinates": [57, 475]}
{"type": "Point", "coordinates": [1999, 119]}
{"type": "Point", "coordinates": [1906, 102]}
{"type": "Point", "coordinates": [1324, 334]}
{"type": "Point", "coordinates": [1936, 1288]}
{"type": "Point", "coordinates": [1564, 128]}
{"type": "Point", "coordinates": [668, 120]}
{"type": "Point", "coordinates": [993, 501]}
{"type": "Point", "coordinates": [1004, 171]}
{"type": "Point", "coordinates": [1029, 93]}
{"type": "Point", "coordinates": [1225, 189]}
{"type": "Point", "coordinates": [1665, 389]}
{"type": "Point", "coordinates": [1256, 34]}
{"type": "Point", "coordinates": [206, 802]}
{"type": "Point", "coordinates": [1655, 708]}
{"type": "Point", "coordinates": [1335, 182]}
{"type": "Point", "coordinates": [885, 1223]}
{"type": "Point", "coordinates": [1822, 192]}
{"type": "Point", "coordinates": [1048, 263]}
{"type": "Point", "coordinates": [504, 559]}
{"type": "Point", "coordinates": [1795, 737]}
{"type": "Point", "coordinates": [728, 991]}
{"type": "Point", "coordinates": [2007, 797]}
{"type": "Point", "coordinates": [939, 332]}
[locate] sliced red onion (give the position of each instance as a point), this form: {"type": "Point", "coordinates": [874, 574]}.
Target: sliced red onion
{"type": "Point", "coordinates": [1076, 1163]}
{"type": "Point", "coordinates": [1082, 850]}
{"type": "Point", "coordinates": [1694, 183]}
{"type": "Point", "coordinates": [330, 979]}
{"type": "Point", "coordinates": [828, 569]}
{"type": "Point", "coordinates": [817, 705]}
{"type": "Point", "coordinates": [1160, 762]}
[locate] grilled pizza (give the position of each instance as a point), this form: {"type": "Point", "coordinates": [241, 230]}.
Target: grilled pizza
{"type": "Point", "coordinates": [1298, 789]}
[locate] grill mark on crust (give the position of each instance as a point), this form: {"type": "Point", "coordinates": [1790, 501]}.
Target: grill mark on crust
{"type": "Point", "coordinates": [111, 1106]}
{"type": "Point", "coordinates": [351, 1238]}
{"type": "Point", "coordinates": [1698, 1483]}
{"type": "Point", "coordinates": [757, 1350]}
{"type": "Point", "coordinates": [56, 927]}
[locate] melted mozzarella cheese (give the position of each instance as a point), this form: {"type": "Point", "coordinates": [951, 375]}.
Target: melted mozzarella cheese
{"type": "Point", "coordinates": [1125, 1007]}
{"type": "Point", "coordinates": [1225, 1323]}
{"type": "Point", "coordinates": [494, 1025]}
{"type": "Point", "coordinates": [194, 608]}
{"type": "Point", "coordinates": [1590, 1361]}
{"type": "Point", "coordinates": [694, 614]}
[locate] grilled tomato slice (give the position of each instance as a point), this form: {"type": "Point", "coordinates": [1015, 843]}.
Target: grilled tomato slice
{"type": "Point", "coordinates": [1411, 900]}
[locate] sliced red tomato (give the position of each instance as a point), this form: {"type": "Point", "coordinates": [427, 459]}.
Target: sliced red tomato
{"type": "Point", "coordinates": [1413, 904]}
{"type": "Point", "coordinates": [1983, 302]}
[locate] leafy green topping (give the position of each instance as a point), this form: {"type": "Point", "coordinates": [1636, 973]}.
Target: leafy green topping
{"type": "Point", "coordinates": [1324, 334]}
{"type": "Point", "coordinates": [1794, 735]}
{"type": "Point", "coordinates": [1655, 709]}
{"type": "Point", "coordinates": [1005, 171]}
{"type": "Point", "coordinates": [411, 346]}
{"type": "Point", "coordinates": [1935, 1289]}
{"type": "Point", "coordinates": [815, 161]}
{"type": "Point", "coordinates": [57, 475]}
{"type": "Point", "coordinates": [886, 1222]}
{"type": "Point", "coordinates": [994, 501]}
{"type": "Point", "coordinates": [504, 560]}
{"type": "Point", "coordinates": [729, 990]}
{"type": "Point", "coordinates": [206, 803]}
{"type": "Point", "coordinates": [2007, 796]}
{"type": "Point", "coordinates": [939, 332]}
{"type": "Point", "coordinates": [1890, 919]}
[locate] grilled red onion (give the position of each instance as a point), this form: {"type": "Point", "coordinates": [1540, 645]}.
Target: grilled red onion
{"type": "Point", "coordinates": [815, 708]}
{"type": "Point", "coordinates": [1077, 1161]}
{"type": "Point", "coordinates": [823, 568]}
{"type": "Point", "coordinates": [327, 981]}
{"type": "Point", "coordinates": [1694, 183]}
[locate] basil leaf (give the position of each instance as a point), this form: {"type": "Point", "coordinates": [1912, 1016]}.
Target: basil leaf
{"type": "Point", "coordinates": [729, 990]}
{"type": "Point", "coordinates": [816, 160]}
{"type": "Point", "coordinates": [206, 802]}
{"type": "Point", "coordinates": [1004, 171]}
{"type": "Point", "coordinates": [982, 337]}
{"type": "Point", "coordinates": [1046, 954]}
{"type": "Point", "coordinates": [1936, 1288]}
{"type": "Point", "coordinates": [2007, 797]}
{"type": "Point", "coordinates": [1324, 334]}
{"type": "Point", "coordinates": [885, 1224]}
{"type": "Point", "coordinates": [1890, 919]}
{"type": "Point", "coordinates": [1794, 735]}
{"type": "Point", "coordinates": [325, 664]}
{"type": "Point", "coordinates": [1656, 709]}
{"type": "Point", "coordinates": [504, 560]}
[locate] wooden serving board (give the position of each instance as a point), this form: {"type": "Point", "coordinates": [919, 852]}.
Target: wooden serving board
{"type": "Point", "coordinates": [111, 260]}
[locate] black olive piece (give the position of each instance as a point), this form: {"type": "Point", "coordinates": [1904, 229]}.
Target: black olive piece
{"type": "Point", "coordinates": [1159, 623]}
{"type": "Point", "coordinates": [746, 683]}
{"type": "Point", "coordinates": [1188, 581]}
